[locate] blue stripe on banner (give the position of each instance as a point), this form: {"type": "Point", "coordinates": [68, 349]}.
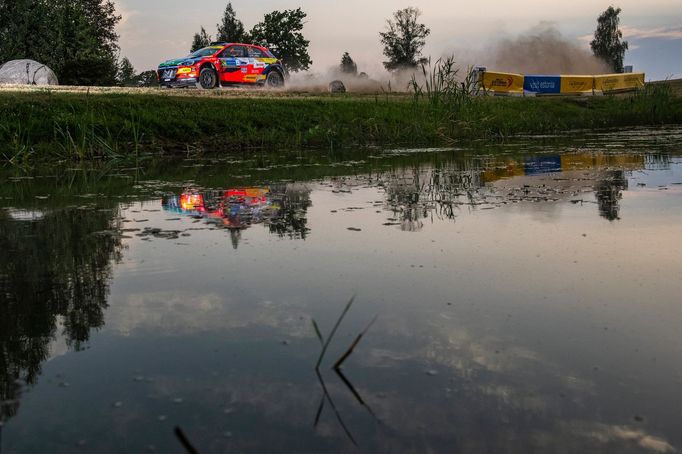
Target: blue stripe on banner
{"type": "Point", "coordinates": [542, 84]}
{"type": "Point", "coordinates": [542, 164]}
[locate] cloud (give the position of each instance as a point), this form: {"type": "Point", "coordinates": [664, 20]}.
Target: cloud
{"type": "Point", "coordinates": [636, 33]}
{"type": "Point", "coordinates": [607, 434]}
{"type": "Point", "coordinates": [672, 33]}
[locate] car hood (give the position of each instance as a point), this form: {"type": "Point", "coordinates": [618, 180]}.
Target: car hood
{"type": "Point", "coordinates": [177, 61]}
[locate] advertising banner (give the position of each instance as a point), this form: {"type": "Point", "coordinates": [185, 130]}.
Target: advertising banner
{"type": "Point", "coordinates": [542, 84]}
{"type": "Point", "coordinates": [539, 165]}
{"type": "Point", "coordinates": [577, 84]}
{"type": "Point", "coordinates": [502, 171]}
{"type": "Point", "coordinates": [618, 82]}
{"type": "Point", "coordinates": [587, 161]}
{"type": "Point", "coordinates": [502, 82]}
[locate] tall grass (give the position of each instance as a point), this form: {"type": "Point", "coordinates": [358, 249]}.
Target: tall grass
{"type": "Point", "coordinates": [440, 109]}
{"type": "Point", "coordinates": [443, 87]}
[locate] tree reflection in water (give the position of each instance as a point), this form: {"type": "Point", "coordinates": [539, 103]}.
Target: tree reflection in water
{"type": "Point", "coordinates": [439, 190]}
{"type": "Point", "coordinates": [608, 191]}
{"type": "Point", "coordinates": [54, 271]}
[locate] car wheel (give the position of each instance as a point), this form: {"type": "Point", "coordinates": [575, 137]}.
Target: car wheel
{"type": "Point", "coordinates": [274, 80]}
{"type": "Point", "coordinates": [208, 78]}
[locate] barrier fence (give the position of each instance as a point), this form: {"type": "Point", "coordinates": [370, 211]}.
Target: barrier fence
{"type": "Point", "coordinates": [533, 85]}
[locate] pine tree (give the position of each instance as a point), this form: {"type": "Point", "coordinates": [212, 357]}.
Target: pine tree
{"type": "Point", "coordinates": [201, 40]}
{"type": "Point", "coordinates": [231, 29]}
{"type": "Point", "coordinates": [126, 73]}
{"type": "Point", "coordinates": [607, 44]}
{"type": "Point", "coordinates": [347, 65]}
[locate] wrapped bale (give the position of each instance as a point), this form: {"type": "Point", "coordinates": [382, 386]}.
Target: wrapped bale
{"type": "Point", "coordinates": [27, 72]}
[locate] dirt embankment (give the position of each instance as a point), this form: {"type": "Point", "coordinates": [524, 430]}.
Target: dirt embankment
{"type": "Point", "coordinates": [224, 92]}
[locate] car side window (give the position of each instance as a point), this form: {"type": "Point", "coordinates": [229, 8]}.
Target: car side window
{"type": "Point", "coordinates": [254, 52]}
{"type": "Point", "coordinates": [234, 52]}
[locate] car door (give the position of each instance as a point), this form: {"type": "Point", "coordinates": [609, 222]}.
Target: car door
{"type": "Point", "coordinates": [234, 64]}
{"type": "Point", "coordinates": [257, 64]}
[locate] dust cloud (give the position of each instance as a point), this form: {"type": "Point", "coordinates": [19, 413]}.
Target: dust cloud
{"type": "Point", "coordinates": [314, 82]}
{"type": "Point", "coordinates": [540, 50]}
{"type": "Point", "coordinates": [543, 50]}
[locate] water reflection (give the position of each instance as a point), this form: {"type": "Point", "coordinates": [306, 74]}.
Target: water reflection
{"type": "Point", "coordinates": [417, 193]}
{"type": "Point", "coordinates": [282, 208]}
{"type": "Point", "coordinates": [470, 354]}
{"type": "Point", "coordinates": [609, 191]}
{"type": "Point", "coordinates": [54, 282]}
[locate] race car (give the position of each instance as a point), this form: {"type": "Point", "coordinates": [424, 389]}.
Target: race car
{"type": "Point", "coordinates": [223, 64]}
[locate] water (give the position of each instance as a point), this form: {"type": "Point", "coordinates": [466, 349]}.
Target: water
{"type": "Point", "coordinates": [526, 295]}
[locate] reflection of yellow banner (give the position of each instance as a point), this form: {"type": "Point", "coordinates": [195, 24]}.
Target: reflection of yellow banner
{"type": "Point", "coordinates": [502, 82]}
{"type": "Point", "coordinates": [617, 82]}
{"type": "Point", "coordinates": [577, 84]}
{"type": "Point", "coordinates": [503, 171]}
{"type": "Point", "coordinates": [256, 192]}
{"type": "Point", "coordinates": [585, 161]}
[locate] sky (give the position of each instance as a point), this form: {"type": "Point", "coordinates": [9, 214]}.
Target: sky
{"type": "Point", "coordinates": [155, 30]}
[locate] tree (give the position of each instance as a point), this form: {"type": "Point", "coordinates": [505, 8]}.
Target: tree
{"type": "Point", "coordinates": [404, 39]}
{"type": "Point", "coordinates": [607, 44]}
{"type": "Point", "coordinates": [282, 31]}
{"type": "Point", "coordinates": [147, 79]}
{"type": "Point", "coordinates": [126, 73]}
{"type": "Point", "coordinates": [347, 65]}
{"type": "Point", "coordinates": [201, 40]}
{"type": "Point", "coordinates": [231, 30]}
{"type": "Point", "coordinates": [78, 55]}
{"type": "Point", "coordinates": [23, 30]}
{"type": "Point", "coordinates": [102, 18]}
{"type": "Point", "coordinates": [76, 38]}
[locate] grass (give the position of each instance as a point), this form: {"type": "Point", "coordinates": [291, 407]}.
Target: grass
{"type": "Point", "coordinates": [674, 84]}
{"type": "Point", "coordinates": [48, 126]}
{"type": "Point", "coordinates": [326, 396]}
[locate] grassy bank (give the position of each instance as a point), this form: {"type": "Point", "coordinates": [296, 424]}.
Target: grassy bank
{"type": "Point", "coordinates": [44, 125]}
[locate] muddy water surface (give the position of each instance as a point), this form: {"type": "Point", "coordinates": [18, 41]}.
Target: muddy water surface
{"type": "Point", "coordinates": [527, 299]}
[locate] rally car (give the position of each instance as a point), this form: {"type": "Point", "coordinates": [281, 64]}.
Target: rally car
{"type": "Point", "coordinates": [222, 64]}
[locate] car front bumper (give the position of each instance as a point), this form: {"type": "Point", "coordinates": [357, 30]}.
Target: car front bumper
{"type": "Point", "coordinates": [179, 83]}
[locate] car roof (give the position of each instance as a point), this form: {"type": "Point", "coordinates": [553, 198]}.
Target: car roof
{"type": "Point", "coordinates": [220, 45]}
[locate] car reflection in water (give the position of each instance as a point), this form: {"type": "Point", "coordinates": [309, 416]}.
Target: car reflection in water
{"type": "Point", "coordinates": [282, 208]}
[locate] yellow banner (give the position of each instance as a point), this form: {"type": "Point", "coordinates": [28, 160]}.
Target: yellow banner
{"type": "Point", "coordinates": [586, 161]}
{"type": "Point", "coordinates": [577, 84]}
{"type": "Point", "coordinates": [617, 82]}
{"type": "Point", "coordinates": [503, 171]}
{"type": "Point", "coordinates": [502, 82]}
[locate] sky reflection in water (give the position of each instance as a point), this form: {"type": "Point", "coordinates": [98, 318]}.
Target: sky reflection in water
{"type": "Point", "coordinates": [524, 303]}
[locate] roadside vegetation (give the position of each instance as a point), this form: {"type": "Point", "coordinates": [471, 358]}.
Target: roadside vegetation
{"type": "Point", "coordinates": [40, 126]}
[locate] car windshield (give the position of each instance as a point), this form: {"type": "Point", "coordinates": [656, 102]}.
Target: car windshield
{"type": "Point", "coordinates": [205, 52]}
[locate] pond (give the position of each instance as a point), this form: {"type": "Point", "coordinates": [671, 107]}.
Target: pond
{"type": "Point", "coordinates": [522, 297]}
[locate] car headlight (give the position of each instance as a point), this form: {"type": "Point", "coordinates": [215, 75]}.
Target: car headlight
{"type": "Point", "coordinates": [187, 63]}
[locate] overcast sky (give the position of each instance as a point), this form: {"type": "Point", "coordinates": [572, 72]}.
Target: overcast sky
{"type": "Point", "coordinates": [156, 30]}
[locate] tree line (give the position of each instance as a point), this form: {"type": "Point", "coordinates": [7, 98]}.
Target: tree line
{"type": "Point", "coordinates": [281, 30]}
{"type": "Point", "coordinates": [78, 40]}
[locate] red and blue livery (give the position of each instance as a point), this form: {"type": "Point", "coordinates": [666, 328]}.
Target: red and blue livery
{"type": "Point", "coordinates": [223, 64]}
